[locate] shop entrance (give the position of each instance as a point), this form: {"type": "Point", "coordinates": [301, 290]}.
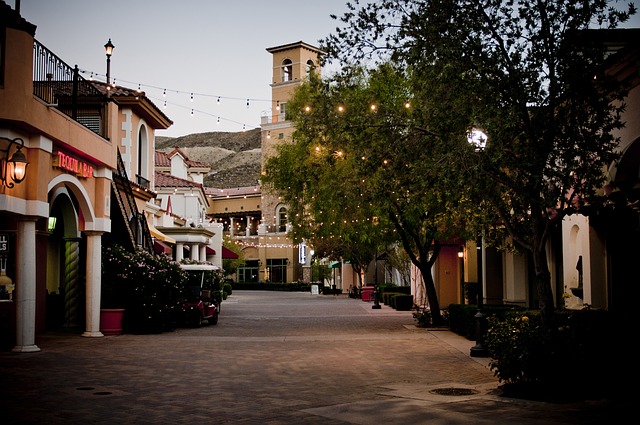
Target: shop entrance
{"type": "Point", "coordinates": [65, 305]}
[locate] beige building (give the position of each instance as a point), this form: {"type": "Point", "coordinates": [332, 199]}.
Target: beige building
{"type": "Point", "coordinates": [89, 153]}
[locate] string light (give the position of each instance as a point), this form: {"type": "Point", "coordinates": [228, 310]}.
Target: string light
{"type": "Point", "coordinates": [277, 105]}
{"type": "Point", "coordinates": [340, 108]}
{"type": "Point", "coordinates": [247, 103]}
{"type": "Point", "coordinates": [191, 99]}
{"type": "Point", "coordinates": [192, 112]}
{"type": "Point", "coordinates": [139, 90]}
{"type": "Point", "coordinates": [164, 93]}
{"type": "Point", "coordinates": [218, 100]}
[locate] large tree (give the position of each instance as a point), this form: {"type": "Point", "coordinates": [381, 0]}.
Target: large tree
{"type": "Point", "coordinates": [532, 78]}
{"type": "Point", "coordinates": [365, 168]}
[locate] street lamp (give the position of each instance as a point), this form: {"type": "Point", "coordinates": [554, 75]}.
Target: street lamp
{"type": "Point", "coordinates": [13, 170]}
{"type": "Point", "coordinates": [479, 350]}
{"type": "Point", "coordinates": [108, 48]}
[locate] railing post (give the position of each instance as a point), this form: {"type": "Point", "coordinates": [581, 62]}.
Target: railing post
{"type": "Point", "coordinates": [74, 94]}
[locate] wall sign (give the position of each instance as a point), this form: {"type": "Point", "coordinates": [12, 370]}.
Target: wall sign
{"type": "Point", "coordinates": [4, 243]}
{"type": "Point", "coordinates": [73, 165]}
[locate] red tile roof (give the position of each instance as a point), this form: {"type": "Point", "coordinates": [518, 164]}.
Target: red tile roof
{"type": "Point", "coordinates": [164, 159]}
{"type": "Point", "coordinates": [167, 180]}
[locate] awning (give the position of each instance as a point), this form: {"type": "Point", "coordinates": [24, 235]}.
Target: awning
{"type": "Point", "coordinates": [335, 264]}
{"type": "Point", "coordinates": [161, 248]}
{"type": "Point", "coordinates": [160, 236]}
{"type": "Point", "coordinates": [211, 251]}
{"type": "Point", "coordinates": [228, 254]}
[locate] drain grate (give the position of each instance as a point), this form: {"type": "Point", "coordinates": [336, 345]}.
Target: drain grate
{"type": "Point", "coordinates": [453, 391]}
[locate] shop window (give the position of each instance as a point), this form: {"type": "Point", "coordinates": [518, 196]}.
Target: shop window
{"type": "Point", "coordinates": [277, 270]}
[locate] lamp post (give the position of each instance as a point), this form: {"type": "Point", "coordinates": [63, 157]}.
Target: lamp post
{"type": "Point", "coordinates": [14, 170]}
{"type": "Point", "coordinates": [108, 48]}
{"type": "Point", "coordinates": [479, 350]}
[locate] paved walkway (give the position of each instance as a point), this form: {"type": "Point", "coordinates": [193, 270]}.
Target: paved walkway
{"type": "Point", "coordinates": [273, 358]}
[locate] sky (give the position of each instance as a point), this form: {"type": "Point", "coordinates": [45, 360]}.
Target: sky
{"type": "Point", "coordinates": [211, 48]}
{"type": "Point", "coordinates": [172, 49]}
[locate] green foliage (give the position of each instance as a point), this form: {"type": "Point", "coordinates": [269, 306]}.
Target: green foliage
{"type": "Point", "coordinates": [526, 74]}
{"type": "Point", "coordinates": [573, 358]}
{"type": "Point", "coordinates": [148, 287]}
{"type": "Point", "coordinates": [231, 265]}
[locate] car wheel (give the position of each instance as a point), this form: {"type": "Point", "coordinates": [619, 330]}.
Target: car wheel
{"type": "Point", "coordinates": [213, 320]}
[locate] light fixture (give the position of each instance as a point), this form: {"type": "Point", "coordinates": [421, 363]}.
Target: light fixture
{"type": "Point", "coordinates": [13, 170]}
{"type": "Point", "coordinates": [461, 252]}
{"type": "Point", "coordinates": [108, 48]}
{"type": "Point", "coordinates": [51, 224]}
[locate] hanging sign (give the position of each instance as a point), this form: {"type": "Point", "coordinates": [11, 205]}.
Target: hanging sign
{"type": "Point", "coordinates": [73, 165]}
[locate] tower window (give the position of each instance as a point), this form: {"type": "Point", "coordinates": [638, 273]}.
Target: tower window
{"type": "Point", "coordinates": [310, 67]}
{"type": "Point", "coordinates": [287, 70]}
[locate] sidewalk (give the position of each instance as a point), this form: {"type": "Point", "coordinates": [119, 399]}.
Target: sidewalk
{"type": "Point", "coordinates": [273, 358]}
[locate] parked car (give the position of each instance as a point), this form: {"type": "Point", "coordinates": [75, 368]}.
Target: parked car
{"type": "Point", "coordinates": [203, 294]}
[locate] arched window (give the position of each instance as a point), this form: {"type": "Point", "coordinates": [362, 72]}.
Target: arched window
{"type": "Point", "coordinates": [142, 169]}
{"type": "Point", "coordinates": [281, 218]}
{"type": "Point", "coordinates": [287, 70]}
{"type": "Point", "coordinates": [310, 67]}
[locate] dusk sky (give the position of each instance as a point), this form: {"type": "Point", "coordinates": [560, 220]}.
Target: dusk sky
{"type": "Point", "coordinates": [210, 48]}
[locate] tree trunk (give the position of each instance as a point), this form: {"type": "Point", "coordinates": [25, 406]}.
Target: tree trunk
{"type": "Point", "coordinates": [432, 295]}
{"type": "Point", "coordinates": [543, 284]}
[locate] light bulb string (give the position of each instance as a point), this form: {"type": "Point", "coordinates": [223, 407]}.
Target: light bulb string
{"type": "Point", "coordinates": [194, 110]}
{"type": "Point", "coordinates": [166, 90]}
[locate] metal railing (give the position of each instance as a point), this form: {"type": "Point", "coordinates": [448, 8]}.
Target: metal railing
{"type": "Point", "coordinates": [61, 86]}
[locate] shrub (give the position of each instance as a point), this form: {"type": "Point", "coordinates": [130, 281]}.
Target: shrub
{"type": "Point", "coordinates": [403, 302]}
{"type": "Point", "coordinates": [148, 287]}
{"type": "Point", "coordinates": [568, 357]}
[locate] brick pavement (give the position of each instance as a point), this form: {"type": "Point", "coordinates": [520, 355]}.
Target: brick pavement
{"type": "Point", "coordinates": [273, 358]}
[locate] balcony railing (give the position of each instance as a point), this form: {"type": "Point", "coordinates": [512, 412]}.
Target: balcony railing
{"type": "Point", "coordinates": [61, 86]}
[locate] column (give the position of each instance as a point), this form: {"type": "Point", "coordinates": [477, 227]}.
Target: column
{"type": "Point", "coordinates": [71, 276]}
{"type": "Point", "coordinates": [94, 284]}
{"type": "Point", "coordinates": [247, 231]}
{"type": "Point", "coordinates": [231, 229]}
{"type": "Point", "coordinates": [26, 286]}
{"type": "Point", "coordinates": [203, 253]}
{"type": "Point", "coordinates": [194, 252]}
{"type": "Point", "coordinates": [179, 251]}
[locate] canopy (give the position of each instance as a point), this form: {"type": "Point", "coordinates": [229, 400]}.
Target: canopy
{"type": "Point", "coordinates": [228, 254]}
{"type": "Point", "coordinates": [159, 235]}
{"type": "Point", "coordinates": [335, 264]}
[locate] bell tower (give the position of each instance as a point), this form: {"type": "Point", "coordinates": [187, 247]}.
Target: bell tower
{"type": "Point", "coordinates": [292, 64]}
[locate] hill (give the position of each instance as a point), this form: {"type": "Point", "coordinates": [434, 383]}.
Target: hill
{"type": "Point", "coordinates": [234, 157]}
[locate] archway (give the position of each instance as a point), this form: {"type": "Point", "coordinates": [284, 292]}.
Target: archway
{"type": "Point", "coordinates": [66, 286]}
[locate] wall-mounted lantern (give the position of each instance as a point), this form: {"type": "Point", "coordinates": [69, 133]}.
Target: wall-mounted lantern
{"type": "Point", "coordinates": [13, 170]}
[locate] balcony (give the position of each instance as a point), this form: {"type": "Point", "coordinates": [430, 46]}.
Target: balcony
{"type": "Point", "coordinates": [62, 87]}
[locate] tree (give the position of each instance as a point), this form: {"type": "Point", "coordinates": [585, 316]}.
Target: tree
{"type": "Point", "coordinates": [529, 75]}
{"type": "Point", "coordinates": [362, 168]}
{"type": "Point", "coordinates": [231, 265]}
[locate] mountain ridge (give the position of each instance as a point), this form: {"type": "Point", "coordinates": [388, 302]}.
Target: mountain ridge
{"type": "Point", "coordinates": [235, 158]}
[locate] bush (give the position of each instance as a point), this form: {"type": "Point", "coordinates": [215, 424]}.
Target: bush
{"type": "Point", "coordinates": [149, 287]}
{"type": "Point", "coordinates": [227, 290]}
{"type": "Point", "coordinates": [566, 358]}
{"type": "Point", "coordinates": [403, 302]}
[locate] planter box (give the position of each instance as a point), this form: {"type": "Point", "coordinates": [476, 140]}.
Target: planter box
{"type": "Point", "coordinates": [111, 321]}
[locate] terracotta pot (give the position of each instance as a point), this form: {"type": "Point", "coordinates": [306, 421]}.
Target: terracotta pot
{"type": "Point", "coordinates": [111, 321]}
